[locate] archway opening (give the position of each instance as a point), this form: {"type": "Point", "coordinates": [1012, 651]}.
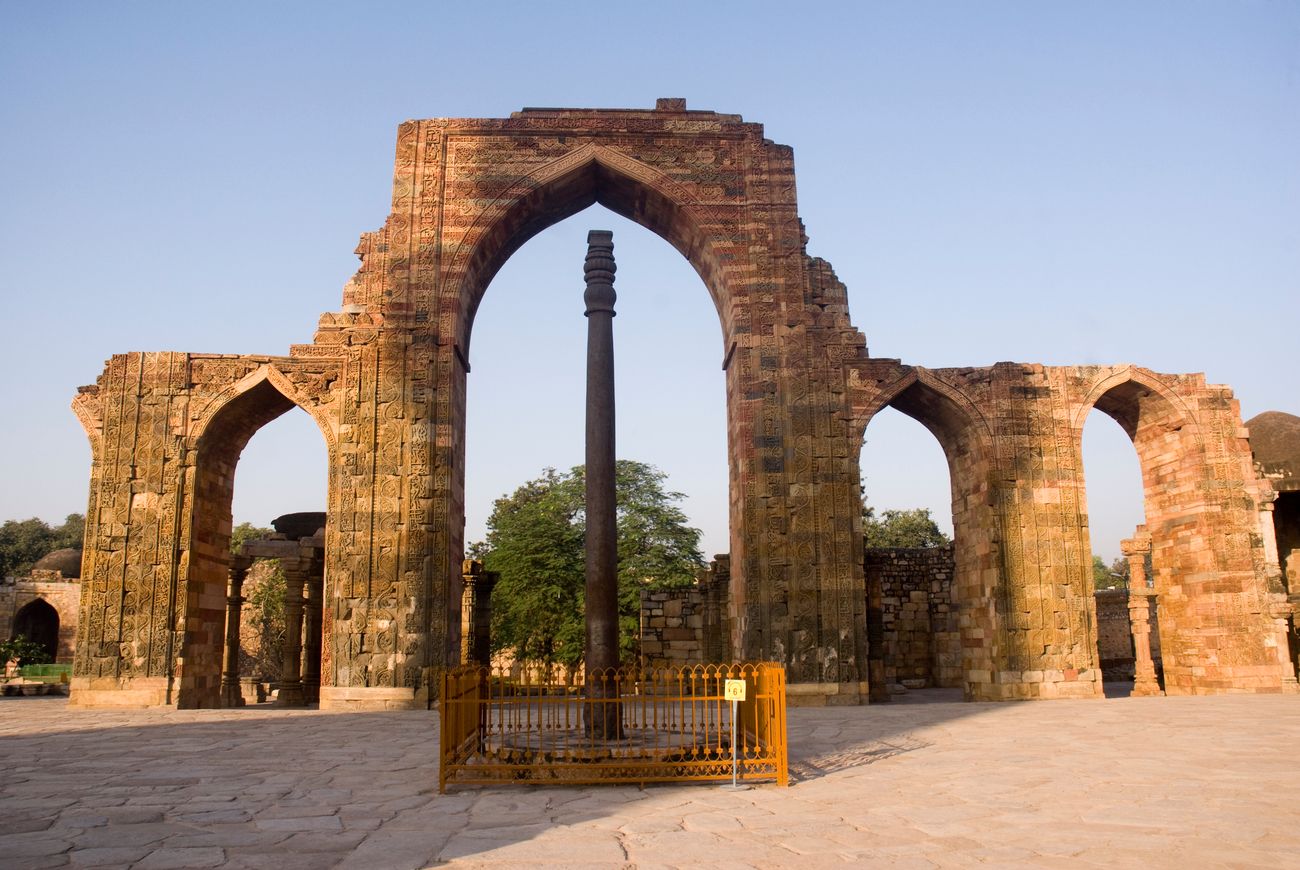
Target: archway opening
{"type": "Point", "coordinates": [38, 621]}
{"type": "Point", "coordinates": [1163, 439]}
{"type": "Point", "coordinates": [276, 480]}
{"type": "Point", "coordinates": [912, 631]}
{"type": "Point", "coordinates": [952, 607]}
{"type": "Point", "coordinates": [1115, 512]}
{"type": "Point", "coordinates": [525, 400]}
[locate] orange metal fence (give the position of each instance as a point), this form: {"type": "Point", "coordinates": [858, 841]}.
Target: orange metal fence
{"type": "Point", "coordinates": [673, 724]}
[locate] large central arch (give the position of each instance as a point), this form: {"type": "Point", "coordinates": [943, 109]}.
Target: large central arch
{"type": "Point", "coordinates": [723, 196]}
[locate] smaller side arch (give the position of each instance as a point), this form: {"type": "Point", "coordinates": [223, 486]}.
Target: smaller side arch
{"type": "Point", "coordinates": [1124, 404]}
{"type": "Point", "coordinates": [1206, 553]}
{"type": "Point", "coordinates": [271, 375]}
{"type": "Point", "coordinates": [39, 622]}
{"type": "Point", "coordinates": [86, 406]}
{"type": "Point", "coordinates": [964, 434]}
{"type": "Point", "coordinates": [954, 420]}
{"type": "Point", "coordinates": [217, 437]}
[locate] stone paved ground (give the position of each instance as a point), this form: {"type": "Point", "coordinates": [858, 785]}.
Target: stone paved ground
{"type": "Point", "coordinates": [932, 782]}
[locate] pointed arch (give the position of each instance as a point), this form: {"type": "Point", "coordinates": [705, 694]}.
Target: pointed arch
{"type": "Point", "coordinates": [217, 437]}
{"type": "Point", "coordinates": [954, 420]}
{"type": "Point", "coordinates": [591, 173]}
{"type": "Point", "coordinates": [89, 414]}
{"type": "Point", "coordinates": [1131, 396]}
{"type": "Point", "coordinates": [967, 441]}
{"type": "Point", "coordinates": [266, 374]}
{"type": "Point", "coordinates": [38, 621]}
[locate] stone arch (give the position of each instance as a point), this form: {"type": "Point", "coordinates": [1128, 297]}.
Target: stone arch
{"type": "Point", "coordinates": [38, 621]}
{"type": "Point", "coordinates": [967, 442]}
{"type": "Point", "coordinates": [587, 175]}
{"type": "Point", "coordinates": [217, 437]}
{"type": "Point", "coordinates": [272, 375]}
{"type": "Point", "coordinates": [1172, 456]}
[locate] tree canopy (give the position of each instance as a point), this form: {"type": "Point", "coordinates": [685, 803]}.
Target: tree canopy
{"type": "Point", "coordinates": [902, 528]}
{"type": "Point", "coordinates": [1114, 577]}
{"type": "Point", "coordinates": [535, 542]}
{"type": "Point", "coordinates": [246, 532]}
{"type": "Point", "coordinates": [23, 542]}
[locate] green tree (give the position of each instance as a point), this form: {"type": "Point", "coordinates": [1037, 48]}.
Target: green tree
{"type": "Point", "coordinates": [246, 532]}
{"type": "Point", "coordinates": [23, 542]}
{"type": "Point", "coordinates": [535, 542]}
{"type": "Point", "coordinates": [263, 609]}
{"type": "Point", "coordinates": [1113, 577]}
{"type": "Point", "coordinates": [27, 652]}
{"type": "Point", "coordinates": [264, 613]}
{"type": "Point", "coordinates": [902, 528]}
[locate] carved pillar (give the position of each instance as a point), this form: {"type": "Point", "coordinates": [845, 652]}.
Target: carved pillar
{"type": "Point", "coordinates": [1140, 595]}
{"type": "Point", "coordinates": [295, 579]}
{"type": "Point", "coordinates": [476, 614]}
{"type": "Point", "coordinates": [231, 696]}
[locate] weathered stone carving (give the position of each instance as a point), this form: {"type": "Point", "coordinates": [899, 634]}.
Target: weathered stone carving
{"type": "Point", "coordinates": [385, 380]}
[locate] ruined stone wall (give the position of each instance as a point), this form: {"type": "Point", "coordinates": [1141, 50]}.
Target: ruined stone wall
{"type": "Point", "coordinates": [1012, 435]}
{"type": "Point", "coordinates": [910, 590]}
{"type": "Point", "coordinates": [687, 626]}
{"type": "Point", "coordinates": [1114, 635]}
{"type": "Point", "coordinates": [386, 381]}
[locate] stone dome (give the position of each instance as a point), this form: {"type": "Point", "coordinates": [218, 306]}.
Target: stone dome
{"type": "Point", "coordinates": [67, 561]}
{"type": "Point", "coordinates": [1275, 441]}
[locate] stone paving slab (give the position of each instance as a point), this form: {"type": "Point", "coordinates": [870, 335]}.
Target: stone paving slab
{"type": "Point", "coordinates": [929, 782]}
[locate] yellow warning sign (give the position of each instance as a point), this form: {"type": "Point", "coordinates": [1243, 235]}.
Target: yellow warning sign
{"type": "Point", "coordinates": [734, 690]}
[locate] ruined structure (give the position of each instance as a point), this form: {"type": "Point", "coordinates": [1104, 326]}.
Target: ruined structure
{"type": "Point", "coordinates": [1275, 442]}
{"type": "Point", "coordinates": [385, 380]}
{"type": "Point", "coordinates": [43, 605]}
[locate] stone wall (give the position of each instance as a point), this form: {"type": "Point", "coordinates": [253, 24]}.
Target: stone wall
{"type": "Point", "coordinates": [687, 626]}
{"type": "Point", "coordinates": [1114, 635]}
{"type": "Point", "coordinates": [913, 622]}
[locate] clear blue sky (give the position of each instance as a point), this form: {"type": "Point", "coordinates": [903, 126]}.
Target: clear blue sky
{"type": "Point", "coordinates": [1058, 183]}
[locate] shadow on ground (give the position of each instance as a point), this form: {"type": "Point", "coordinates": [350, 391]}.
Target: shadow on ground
{"type": "Point", "coordinates": [266, 787]}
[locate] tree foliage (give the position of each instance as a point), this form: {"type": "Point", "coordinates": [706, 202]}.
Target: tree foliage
{"type": "Point", "coordinates": [263, 610]}
{"type": "Point", "coordinates": [246, 532]}
{"type": "Point", "coordinates": [23, 542]}
{"type": "Point", "coordinates": [1113, 577]}
{"type": "Point", "coordinates": [901, 528]}
{"type": "Point", "coordinates": [535, 542]}
{"type": "Point", "coordinates": [263, 614]}
{"type": "Point", "coordinates": [27, 652]}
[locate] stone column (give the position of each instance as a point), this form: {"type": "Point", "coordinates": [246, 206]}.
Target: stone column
{"type": "Point", "coordinates": [295, 579]}
{"type": "Point", "coordinates": [312, 636]}
{"type": "Point", "coordinates": [601, 654]}
{"type": "Point", "coordinates": [231, 696]}
{"type": "Point", "coordinates": [1140, 594]}
{"type": "Point", "coordinates": [1279, 607]}
{"type": "Point", "coordinates": [476, 614]}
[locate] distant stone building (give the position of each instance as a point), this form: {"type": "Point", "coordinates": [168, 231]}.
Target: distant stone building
{"type": "Point", "coordinates": [43, 606]}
